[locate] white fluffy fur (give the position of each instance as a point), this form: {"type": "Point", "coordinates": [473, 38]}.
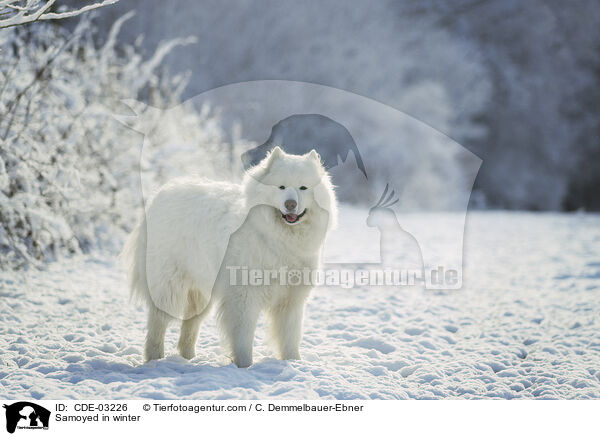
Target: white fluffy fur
{"type": "Point", "coordinates": [178, 254]}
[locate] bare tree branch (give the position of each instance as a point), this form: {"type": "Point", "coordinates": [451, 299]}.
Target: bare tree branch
{"type": "Point", "coordinates": [34, 10]}
{"type": "Point", "coordinates": [69, 14]}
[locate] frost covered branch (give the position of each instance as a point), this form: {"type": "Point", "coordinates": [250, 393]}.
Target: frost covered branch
{"type": "Point", "coordinates": [19, 12]}
{"type": "Point", "coordinates": [69, 172]}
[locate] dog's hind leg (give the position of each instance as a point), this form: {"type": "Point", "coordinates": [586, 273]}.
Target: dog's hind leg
{"type": "Point", "coordinates": [189, 335]}
{"type": "Point", "coordinates": [158, 321]}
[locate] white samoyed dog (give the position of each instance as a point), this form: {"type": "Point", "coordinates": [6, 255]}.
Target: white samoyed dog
{"type": "Point", "coordinates": [186, 256]}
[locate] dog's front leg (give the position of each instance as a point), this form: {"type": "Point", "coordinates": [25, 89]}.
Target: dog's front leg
{"type": "Point", "coordinates": [237, 319]}
{"type": "Point", "coordinates": [286, 328]}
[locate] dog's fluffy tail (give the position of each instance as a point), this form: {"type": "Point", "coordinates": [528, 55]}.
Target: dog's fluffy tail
{"type": "Point", "coordinates": [133, 258]}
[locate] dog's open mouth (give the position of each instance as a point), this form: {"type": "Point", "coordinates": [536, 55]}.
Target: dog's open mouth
{"type": "Point", "coordinates": [292, 218]}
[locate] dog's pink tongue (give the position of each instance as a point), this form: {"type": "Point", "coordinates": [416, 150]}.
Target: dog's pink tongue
{"type": "Point", "coordinates": [291, 217]}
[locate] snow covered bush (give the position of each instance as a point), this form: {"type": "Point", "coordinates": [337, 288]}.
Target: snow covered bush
{"type": "Point", "coordinates": [69, 171]}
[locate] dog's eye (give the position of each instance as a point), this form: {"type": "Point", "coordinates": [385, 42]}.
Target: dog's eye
{"type": "Point", "coordinates": [303, 188]}
{"type": "Point", "coordinates": [282, 187]}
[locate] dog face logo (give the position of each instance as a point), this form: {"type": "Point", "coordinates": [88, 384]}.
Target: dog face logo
{"type": "Point", "coordinates": [26, 415]}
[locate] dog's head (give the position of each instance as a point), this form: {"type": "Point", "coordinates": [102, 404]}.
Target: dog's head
{"type": "Point", "coordinates": [293, 185]}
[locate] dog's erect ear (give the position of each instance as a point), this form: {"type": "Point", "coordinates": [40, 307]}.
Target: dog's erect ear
{"type": "Point", "coordinates": [314, 155]}
{"type": "Point", "coordinates": [276, 153]}
{"type": "Point", "coordinates": [258, 171]}
{"type": "Point", "coordinates": [324, 196]}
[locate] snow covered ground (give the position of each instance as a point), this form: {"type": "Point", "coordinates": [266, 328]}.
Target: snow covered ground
{"type": "Point", "coordinates": [525, 325]}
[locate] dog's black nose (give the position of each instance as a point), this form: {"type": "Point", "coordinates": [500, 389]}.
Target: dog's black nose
{"type": "Point", "coordinates": [290, 204]}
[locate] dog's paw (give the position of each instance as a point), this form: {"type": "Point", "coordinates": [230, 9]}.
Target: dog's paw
{"type": "Point", "coordinates": [154, 354]}
{"type": "Point", "coordinates": [242, 361]}
{"type": "Point", "coordinates": [293, 355]}
{"type": "Point", "coordinates": [187, 353]}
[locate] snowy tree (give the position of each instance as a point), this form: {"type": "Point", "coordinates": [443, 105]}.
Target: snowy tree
{"type": "Point", "coordinates": [515, 78]}
{"type": "Point", "coordinates": [69, 171]}
{"type": "Point", "coordinates": [540, 149]}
